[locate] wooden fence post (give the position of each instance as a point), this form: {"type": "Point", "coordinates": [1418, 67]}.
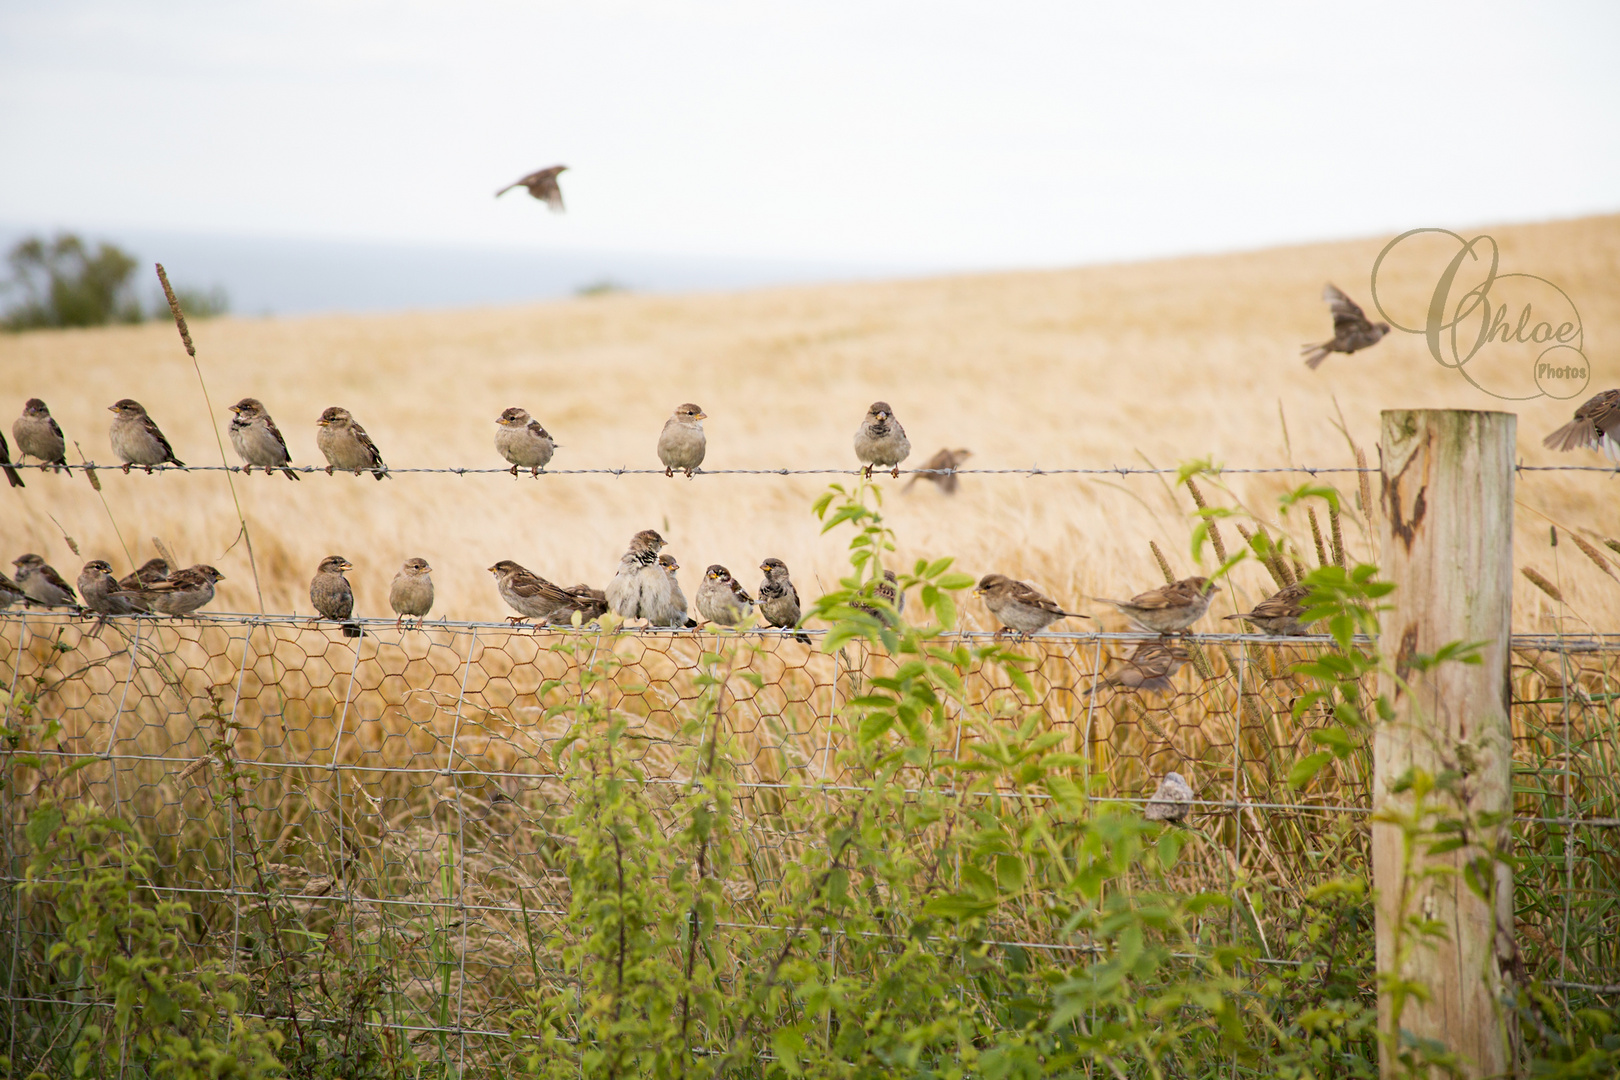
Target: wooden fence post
{"type": "Point", "coordinates": [1448, 548]}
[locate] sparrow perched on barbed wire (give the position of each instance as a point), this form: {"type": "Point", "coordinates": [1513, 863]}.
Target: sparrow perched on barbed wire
{"type": "Point", "coordinates": [721, 599]}
{"type": "Point", "coordinates": [5, 464]}
{"type": "Point", "coordinates": [151, 572]}
{"type": "Point", "coordinates": [39, 436]}
{"type": "Point", "coordinates": [681, 444]}
{"type": "Point", "coordinates": [182, 592]}
{"type": "Point", "coordinates": [940, 464]}
{"type": "Point", "coordinates": [329, 591]}
{"type": "Point", "coordinates": [102, 593]}
{"type": "Point", "coordinates": [1279, 613]}
{"type": "Point", "coordinates": [40, 582]}
{"type": "Point", "coordinates": [542, 185]}
{"type": "Point", "coordinates": [411, 594]}
{"type": "Point", "coordinates": [257, 439]}
{"type": "Point", "coordinates": [778, 599]}
{"type": "Point", "coordinates": [881, 442]}
{"type": "Point", "coordinates": [346, 444]}
{"type": "Point", "coordinates": [10, 593]}
{"type": "Point", "coordinates": [1596, 427]}
{"type": "Point", "coordinates": [674, 612]}
{"type": "Point", "coordinates": [136, 439]}
{"type": "Point", "coordinates": [1351, 330]}
{"type": "Point", "coordinates": [1168, 609]}
{"type": "Point", "coordinates": [640, 588]}
{"type": "Point", "coordinates": [1149, 667]}
{"type": "Point", "coordinates": [522, 441]}
{"type": "Point", "coordinates": [527, 593]}
{"type": "Point", "coordinates": [1019, 606]}
{"type": "Point", "coordinates": [1171, 800]}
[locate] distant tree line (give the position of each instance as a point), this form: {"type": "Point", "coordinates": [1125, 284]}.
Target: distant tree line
{"type": "Point", "coordinates": [62, 282]}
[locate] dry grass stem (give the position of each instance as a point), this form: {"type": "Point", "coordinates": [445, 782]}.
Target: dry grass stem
{"type": "Point", "coordinates": [1543, 584]}
{"type": "Point", "coordinates": [1164, 564]}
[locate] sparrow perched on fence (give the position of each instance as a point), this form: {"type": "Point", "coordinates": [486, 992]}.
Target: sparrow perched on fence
{"type": "Point", "coordinates": [522, 441]}
{"type": "Point", "coordinates": [5, 463]}
{"type": "Point", "coordinates": [40, 582]}
{"type": "Point", "coordinates": [640, 588]}
{"type": "Point", "coordinates": [542, 185]}
{"type": "Point", "coordinates": [681, 444]}
{"type": "Point", "coordinates": [778, 599]}
{"type": "Point", "coordinates": [1351, 330]}
{"type": "Point", "coordinates": [1279, 613]}
{"type": "Point", "coordinates": [101, 591]}
{"type": "Point", "coordinates": [411, 594]}
{"type": "Point", "coordinates": [346, 444]}
{"type": "Point", "coordinates": [1149, 667]}
{"type": "Point", "coordinates": [1019, 606]}
{"type": "Point", "coordinates": [590, 603]}
{"type": "Point", "coordinates": [527, 593]}
{"type": "Point", "coordinates": [1171, 801]}
{"type": "Point", "coordinates": [944, 460]}
{"type": "Point", "coordinates": [1168, 609]}
{"type": "Point", "coordinates": [136, 439]}
{"type": "Point", "coordinates": [257, 439]}
{"type": "Point", "coordinates": [151, 572]}
{"type": "Point", "coordinates": [887, 589]}
{"type": "Point", "coordinates": [38, 435]}
{"type": "Point", "coordinates": [329, 591]}
{"type": "Point", "coordinates": [182, 592]}
{"type": "Point", "coordinates": [1596, 426]}
{"type": "Point", "coordinates": [881, 441]}
{"type": "Point", "coordinates": [720, 598]}
{"type": "Point", "coordinates": [10, 593]}
{"type": "Point", "coordinates": [674, 610]}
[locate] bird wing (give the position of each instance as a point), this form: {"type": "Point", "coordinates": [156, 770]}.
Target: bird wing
{"type": "Point", "coordinates": [739, 592]}
{"type": "Point", "coordinates": [49, 574]}
{"type": "Point", "coordinates": [365, 441]}
{"type": "Point", "coordinates": [532, 585]}
{"type": "Point", "coordinates": [1603, 411]}
{"type": "Point", "coordinates": [275, 433]}
{"type": "Point", "coordinates": [1026, 594]}
{"type": "Point", "coordinates": [1348, 317]}
{"type": "Point", "coordinates": [152, 428]}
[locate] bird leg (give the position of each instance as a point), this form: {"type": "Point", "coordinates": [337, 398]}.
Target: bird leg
{"type": "Point", "coordinates": [514, 472]}
{"type": "Point", "coordinates": [149, 470]}
{"type": "Point", "coordinates": [398, 622]}
{"type": "Point", "coordinates": [669, 470]}
{"type": "Point", "coordinates": [329, 470]}
{"type": "Point", "coordinates": [247, 470]}
{"type": "Point", "coordinates": [896, 473]}
{"type": "Point", "coordinates": [869, 472]}
{"type": "Point", "coordinates": [534, 472]}
{"type": "Point", "coordinates": [516, 620]}
{"type": "Point", "coordinates": [689, 474]}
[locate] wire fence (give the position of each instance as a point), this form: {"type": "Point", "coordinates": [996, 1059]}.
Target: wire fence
{"type": "Point", "coordinates": [404, 785]}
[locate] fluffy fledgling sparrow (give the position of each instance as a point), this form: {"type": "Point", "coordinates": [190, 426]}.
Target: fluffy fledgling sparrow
{"type": "Point", "coordinates": [1171, 800]}
{"type": "Point", "coordinates": [944, 460]}
{"type": "Point", "coordinates": [681, 444]}
{"type": "Point", "coordinates": [329, 591]}
{"type": "Point", "coordinates": [346, 445]}
{"type": "Point", "coordinates": [10, 593]}
{"type": "Point", "coordinates": [778, 599]}
{"type": "Point", "coordinates": [40, 582]}
{"type": "Point", "coordinates": [102, 593]}
{"type": "Point", "coordinates": [151, 572]}
{"type": "Point", "coordinates": [1019, 606]}
{"type": "Point", "coordinates": [39, 436]}
{"type": "Point", "coordinates": [136, 439]}
{"type": "Point", "coordinates": [1149, 667]}
{"type": "Point", "coordinates": [5, 464]}
{"type": "Point", "coordinates": [1279, 613]}
{"type": "Point", "coordinates": [674, 610]}
{"type": "Point", "coordinates": [411, 594]}
{"type": "Point", "coordinates": [1351, 330]}
{"type": "Point", "coordinates": [886, 589]}
{"type": "Point", "coordinates": [1596, 426]}
{"type": "Point", "coordinates": [542, 185]}
{"type": "Point", "coordinates": [590, 603]}
{"type": "Point", "coordinates": [721, 599]}
{"type": "Point", "coordinates": [527, 593]}
{"type": "Point", "coordinates": [257, 439]}
{"type": "Point", "coordinates": [1166, 610]}
{"type": "Point", "coordinates": [881, 442]}
{"type": "Point", "coordinates": [640, 587]}
{"type": "Point", "coordinates": [182, 592]}
{"type": "Point", "coordinates": [522, 441]}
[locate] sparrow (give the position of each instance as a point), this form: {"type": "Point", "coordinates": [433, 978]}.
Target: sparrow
{"type": "Point", "coordinates": [182, 592]}
{"type": "Point", "coordinates": [136, 439]}
{"type": "Point", "coordinates": [10, 593]}
{"type": "Point", "coordinates": [945, 459]}
{"type": "Point", "coordinates": [5, 463]}
{"type": "Point", "coordinates": [99, 587]}
{"type": "Point", "coordinates": [640, 588]}
{"type": "Point", "coordinates": [1149, 667]}
{"type": "Point", "coordinates": [40, 582]}
{"type": "Point", "coordinates": [720, 599]}
{"type": "Point", "coordinates": [1351, 330]}
{"type": "Point", "coordinates": [1165, 610]}
{"type": "Point", "coordinates": [38, 435]}
{"type": "Point", "coordinates": [522, 441]}
{"type": "Point", "coordinates": [346, 444]}
{"type": "Point", "coordinates": [527, 593]}
{"type": "Point", "coordinates": [881, 441]}
{"type": "Point", "coordinates": [887, 590]}
{"type": "Point", "coordinates": [674, 611]}
{"type": "Point", "coordinates": [1019, 606]}
{"type": "Point", "coordinates": [590, 603]}
{"type": "Point", "coordinates": [1279, 613]}
{"type": "Point", "coordinates": [411, 594]}
{"type": "Point", "coordinates": [1171, 801]}
{"type": "Point", "coordinates": [778, 599]}
{"type": "Point", "coordinates": [151, 572]}
{"type": "Point", "coordinates": [681, 444]}
{"type": "Point", "coordinates": [542, 185]}
{"type": "Point", "coordinates": [1596, 426]}
{"type": "Point", "coordinates": [257, 439]}
{"type": "Point", "coordinates": [329, 591]}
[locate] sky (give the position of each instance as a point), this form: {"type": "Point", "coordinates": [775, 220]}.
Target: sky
{"type": "Point", "coordinates": [932, 136]}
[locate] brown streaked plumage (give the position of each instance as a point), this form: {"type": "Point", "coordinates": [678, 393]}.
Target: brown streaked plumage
{"type": "Point", "coordinates": [778, 599]}
{"type": "Point", "coordinates": [40, 582]}
{"type": "Point", "coordinates": [5, 463]}
{"type": "Point", "coordinates": [1279, 613]}
{"type": "Point", "coordinates": [527, 593]}
{"type": "Point", "coordinates": [151, 572]}
{"type": "Point", "coordinates": [411, 593]}
{"type": "Point", "coordinates": [136, 438]}
{"type": "Point", "coordinates": [257, 440]}
{"type": "Point", "coordinates": [1149, 667]}
{"type": "Point", "coordinates": [944, 460]}
{"type": "Point", "coordinates": [39, 436]}
{"type": "Point", "coordinates": [1166, 610]}
{"type": "Point", "coordinates": [522, 441]}
{"type": "Point", "coordinates": [332, 595]}
{"type": "Point", "coordinates": [1596, 427]}
{"type": "Point", "coordinates": [880, 441]}
{"type": "Point", "coordinates": [182, 592]}
{"type": "Point", "coordinates": [722, 599]}
{"type": "Point", "coordinates": [1351, 330]}
{"type": "Point", "coordinates": [1019, 606]}
{"type": "Point", "coordinates": [640, 588]}
{"type": "Point", "coordinates": [542, 185]}
{"type": "Point", "coordinates": [346, 445]}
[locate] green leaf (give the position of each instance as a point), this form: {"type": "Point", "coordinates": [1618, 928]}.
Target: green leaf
{"type": "Point", "coordinates": [1066, 793]}
{"type": "Point", "coordinates": [1307, 767]}
{"type": "Point", "coordinates": [1009, 873]}
{"type": "Point", "coordinates": [956, 581]}
{"type": "Point", "coordinates": [1335, 739]}
{"type": "Point", "coordinates": [42, 824]}
{"type": "Point", "coordinates": [788, 1044]}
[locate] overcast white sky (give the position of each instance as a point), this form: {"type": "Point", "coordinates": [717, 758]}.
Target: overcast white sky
{"type": "Point", "coordinates": [930, 134]}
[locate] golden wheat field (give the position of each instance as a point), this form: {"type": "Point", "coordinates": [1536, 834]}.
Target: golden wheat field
{"type": "Point", "coordinates": [1151, 363]}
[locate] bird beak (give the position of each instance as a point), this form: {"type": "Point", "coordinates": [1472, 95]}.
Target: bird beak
{"type": "Point", "coordinates": [347, 565]}
{"type": "Point", "coordinates": [492, 569]}
{"type": "Point", "coordinates": [322, 422]}
{"type": "Point", "coordinates": [427, 569]}
{"type": "Point", "coordinates": [702, 416]}
{"type": "Point", "coordinates": [112, 408]}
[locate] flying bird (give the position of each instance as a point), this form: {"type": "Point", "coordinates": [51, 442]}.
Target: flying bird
{"type": "Point", "coordinates": [1351, 330]}
{"type": "Point", "coordinates": [1596, 426]}
{"type": "Point", "coordinates": [542, 185]}
{"type": "Point", "coordinates": [939, 470]}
